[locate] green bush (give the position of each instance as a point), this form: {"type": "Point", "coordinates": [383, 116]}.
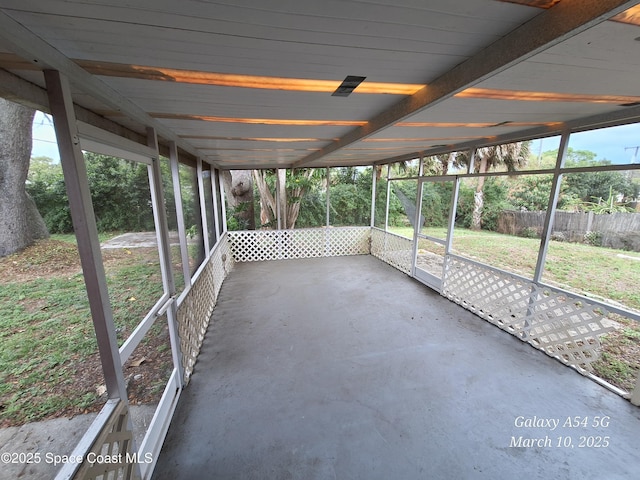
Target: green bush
{"type": "Point", "coordinates": [119, 193]}
{"type": "Point", "coordinates": [593, 238]}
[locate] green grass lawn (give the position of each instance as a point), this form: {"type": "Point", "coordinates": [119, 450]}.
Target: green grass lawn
{"type": "Point", "coordinates": [48, 351]}
{"type": "Point", "coordinates": [602, 272]}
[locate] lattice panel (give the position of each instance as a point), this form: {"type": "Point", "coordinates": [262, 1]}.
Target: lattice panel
{"type": "Point", "coordinates": [495, 296]}
{"type": "Point", "coordinates": [348, 241]}
{"type": "Point", "coordinates": [222, 261]}
{"type": "Point", "coordinates": [562, 326]}
{"type": "Point", "coordinates": [197, 306]}
{"type": "Point", "coordinates": [260, 245]}
{"type": "Point", "coordinates": [392, 249]}
{"type": "Point", "coordinates": [116, 443]}
{"type": "Point", "coordinates": [566, 328]}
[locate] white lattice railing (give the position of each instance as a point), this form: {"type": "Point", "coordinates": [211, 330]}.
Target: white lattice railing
{"type": "Point", "coordinates": [259, 245]}
{"type": "Point", "coordinates": [564, 327]}
{"type": "Point", "coordinates": [110, 436]}
{"type": "Point", "coordinates": [392, 249]}
{"type": "Point", "coordinates": [196, 304]}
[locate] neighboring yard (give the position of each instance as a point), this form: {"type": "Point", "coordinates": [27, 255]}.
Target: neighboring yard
{"type": "Point", "coordinates": [49, 365]}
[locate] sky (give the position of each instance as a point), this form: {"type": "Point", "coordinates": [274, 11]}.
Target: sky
{"type": "Point", "coordinates": [44, 137]}
{"type": "Point", "coordinates": [618, 144]}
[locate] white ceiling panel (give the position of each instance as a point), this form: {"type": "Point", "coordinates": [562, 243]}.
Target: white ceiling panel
{"type": "Point", "coordinates": [159, 63]}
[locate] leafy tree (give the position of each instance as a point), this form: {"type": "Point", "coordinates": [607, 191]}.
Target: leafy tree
{"type": "Point", "coordinates": [350, 196]}
{"type": "Point", "coordinates": [531, 192]}
{"type": "Point", "coordinates": [580, 190]}
{"type": "Point", "coordinates": [495, 202]}
{"type": "Point", "coordinates": [436, 200]}
{"type": "Point", "coordinates": [119, 193]}
{"type": "Point", "coordinates": [45, 184]}
{"type": "Point", "coordinates": [510, 156]}
{"type": "Point", "coordinates": [598, 186]}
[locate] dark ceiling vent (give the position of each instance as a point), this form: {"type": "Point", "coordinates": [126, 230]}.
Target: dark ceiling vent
{"type": "Point", "coordinates": [347, 86]}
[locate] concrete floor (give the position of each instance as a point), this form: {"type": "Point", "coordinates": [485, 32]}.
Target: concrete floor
{"type": "Point", "coordinates": [346, 368]}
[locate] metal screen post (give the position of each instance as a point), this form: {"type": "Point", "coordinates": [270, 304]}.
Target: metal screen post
{"type": "Point", "coordinates": [451, 223]}
{"type": "Point", "coordinates": [551, 208]}
{"type": "Point", "coordinates": [84, 224]}
{"type": "Point", "coordinates": [177, 195]}
{"type": "Point", "coordinates": [472, 161]}
{"type": "Point", "coordinates": [223, 205]}
{"type": "Point", "coordinates": [203, 208]}
{"type": "Point", "coordinates": [160, 215]}
{"type": "Point", "coordinates": [281, 192]}
{"type": "Point", "coordinates": [416, 227]}
{"type": "Point", "coordinates": [214, 194]}
{"type": "Point", "coordinates": [635, 395]}
{"type": "Point", "coordinates": [164, 249]}
{"type": "Point", "coordinates": [328, 197]}
{"type": "Point", "coordinates": [386, 214]}
{"type": "Point", "coordinates": [374, 185]}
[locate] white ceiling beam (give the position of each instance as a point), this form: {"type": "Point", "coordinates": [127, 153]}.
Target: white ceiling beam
{"type": "Point", "coordinates": [601, 120]}
{"type": "Point", "coordinates": [32, 48]}
{"type": "Point", "coordinates": [551, 27]}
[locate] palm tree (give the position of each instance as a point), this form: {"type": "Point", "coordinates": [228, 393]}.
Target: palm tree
{"type": "Point", "coordinates": [508, 155]}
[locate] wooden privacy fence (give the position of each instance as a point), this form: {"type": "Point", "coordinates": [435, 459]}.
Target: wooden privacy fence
{"type": "Point", "coordinates": [614, 230]}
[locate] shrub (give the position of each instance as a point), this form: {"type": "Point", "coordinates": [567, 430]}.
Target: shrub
{"type": "Point", "coordinates": [593, 238]}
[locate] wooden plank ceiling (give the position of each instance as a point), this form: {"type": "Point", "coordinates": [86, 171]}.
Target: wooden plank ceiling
{"type": "Point", "coordinates": [249, 83]}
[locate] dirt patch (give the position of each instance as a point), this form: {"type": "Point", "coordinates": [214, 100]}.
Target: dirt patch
{"type": "Point", "coordinates": [45, 259]}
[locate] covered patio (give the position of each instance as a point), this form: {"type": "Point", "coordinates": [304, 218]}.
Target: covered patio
{"type": "Point", "coordinates": [343, 351]}
{"type": "Point", "coordinates": [346, 368]}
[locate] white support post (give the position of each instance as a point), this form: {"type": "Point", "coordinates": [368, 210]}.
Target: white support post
{"type": "Point", "coordinates": [386, 214]}
{"type": "Point", "coordinates": [164, 250]}
{"type": "Point", "coordinates": [223, 205]}
{"type": "Point", "coordinates": [635, 395]}
{"type": "Point", "coordinates": [551, 208]}
{"type": "Point", "coordinates": [214, 193]}
{"type": "Point", "coordinates": [328, 208]}
{"type": "Point", "coordinates": [159, 214]}
{"type": "Point", "coordinates": [472, 161]}
{"type": "Point", "coordinates": [84, 224]}
{"type": "Point", "coordinates": [177, 194]}
{"type": "Point", "coordinates": [203, 208]}
{"type": "Point", "coordinates": [416, 226]}
{"type": "Point", "coordinates": [281, 181]}
{"type": "Point", "coordinates": [374, 181]}
{"type": "Point", "coordinates": [451, 223]}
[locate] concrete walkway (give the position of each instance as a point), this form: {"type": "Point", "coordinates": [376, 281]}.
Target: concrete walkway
{"type": "Point", "coordinates": [137, 240]}
{"type": "Point", "coordinates": [50, 439]}
{"type": "Point", "coordinates": [346, 368]}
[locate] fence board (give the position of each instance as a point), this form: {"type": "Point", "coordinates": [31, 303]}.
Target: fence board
{"type": "Point", "coordinates": [615, 230]}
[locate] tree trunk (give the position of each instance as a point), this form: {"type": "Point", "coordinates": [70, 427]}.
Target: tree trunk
{"type": "Point", "coordinates": [238, 188]}
{"type": "Point", "coordinates": [20, 222]}
{"type": "Point", "coordinates": [267, 200]}
{"type": "Point", "coordinates": [295, 201]}
{"type": "Point", "coordinates": [478, 197]}
{"type": "Point", "coordinates": [281, 192]}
